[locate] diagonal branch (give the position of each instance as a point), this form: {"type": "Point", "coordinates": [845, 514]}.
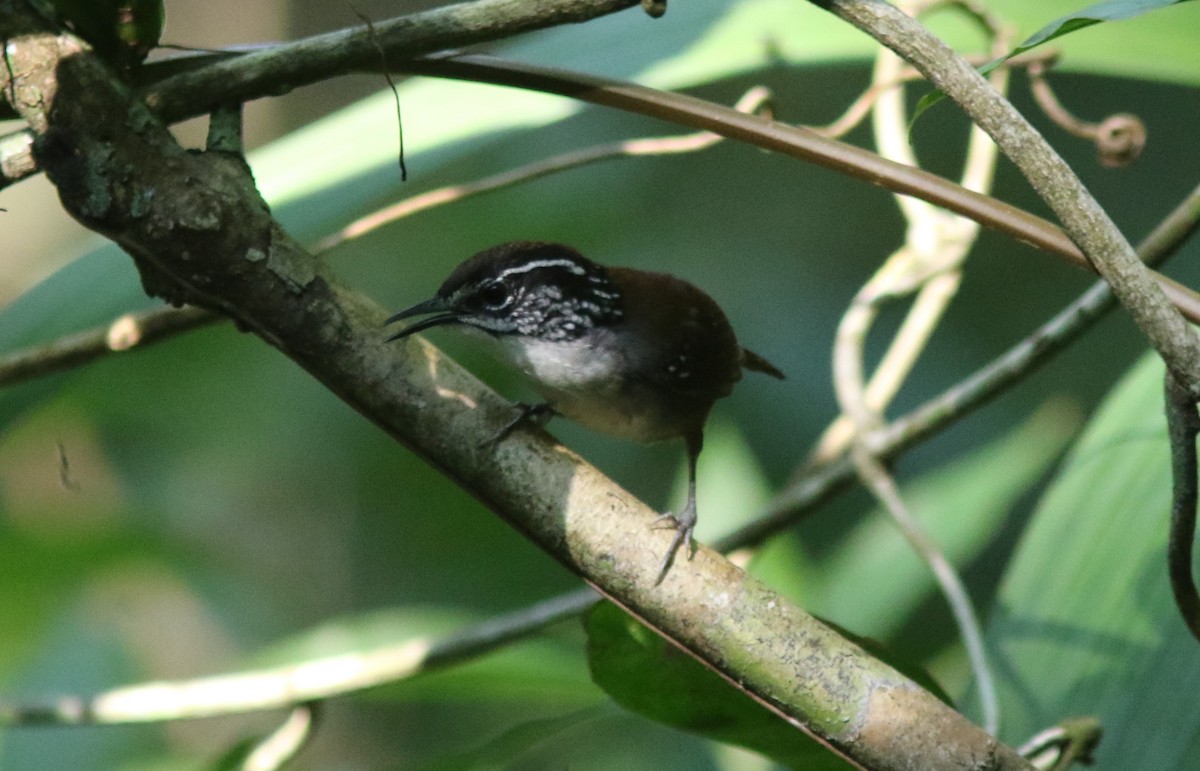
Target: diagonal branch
{"type": "Point", "coordinates": [199, 232]}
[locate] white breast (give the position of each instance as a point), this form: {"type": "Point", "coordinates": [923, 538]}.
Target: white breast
{"type": "Point", "coordinates": [563, 365]}
{"type": "Point", "coordinates": [577, 380]}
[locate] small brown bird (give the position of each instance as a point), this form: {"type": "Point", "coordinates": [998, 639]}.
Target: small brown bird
{"type": "Point", "coordinates": [625, 352]}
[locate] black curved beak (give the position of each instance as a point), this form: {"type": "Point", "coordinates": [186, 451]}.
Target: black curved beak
{"type": "Point", "coordinates": [437, 306]}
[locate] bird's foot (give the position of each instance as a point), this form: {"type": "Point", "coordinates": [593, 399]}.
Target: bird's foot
{"type": "Point", "coordinates": [683, 523]}
{"type": "Point", "coordinates": [531, 414]}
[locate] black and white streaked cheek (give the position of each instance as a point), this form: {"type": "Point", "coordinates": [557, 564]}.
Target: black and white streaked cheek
{"type": "Point", "coordinates": [547, 312]}
{"type": "Point", "coordinates": [566, 322]}
{"type": "Point", "coordinates": [534, 308]}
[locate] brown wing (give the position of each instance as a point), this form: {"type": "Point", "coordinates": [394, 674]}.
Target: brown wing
{"type": "Point", "coordinates": [693, 350]}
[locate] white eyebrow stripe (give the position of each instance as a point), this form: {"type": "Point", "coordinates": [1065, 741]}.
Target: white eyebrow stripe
{"type": "Point", "coordinates": [570, 265]}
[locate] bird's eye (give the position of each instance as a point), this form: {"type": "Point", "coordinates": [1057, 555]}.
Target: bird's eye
{"type": "Point", "coordinates": [493, 296]}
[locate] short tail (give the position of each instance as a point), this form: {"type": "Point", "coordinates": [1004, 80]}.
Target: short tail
{"type": "Point", "coordinates": [752, 361]}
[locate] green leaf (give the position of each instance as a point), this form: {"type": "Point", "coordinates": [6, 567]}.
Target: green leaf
{"type": "Point", "coordinates": [647, 675]}
{"type": "Point", "coordinates": [1106, 10]}
{"type": "Point", "coordinates": [1086, 625]}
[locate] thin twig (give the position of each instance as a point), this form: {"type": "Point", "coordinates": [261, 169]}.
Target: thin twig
{"type": "Point", "coordinates": [1060, 747]}
{"type": "Point", "coordinates": [274, 70]}
{"type": "Point", "coordinates": [391, 84]}
{"type": "Point", "coordinates": [755, 100]}
{"type": "Point", "coordinates": [936, 244]}
{"type": "Point", "coordinates": [129, 331]}
{"type": "Point", "coordinates": [65, 480]}
{"type": "Point", "coordinates": [858, 109]}
{"type": "Point", "coordinates": [1119, 139]}
{"type": "Point", "coordinates": [1037, 348]}
{"type": "Point", "coordinates": [883, 487]}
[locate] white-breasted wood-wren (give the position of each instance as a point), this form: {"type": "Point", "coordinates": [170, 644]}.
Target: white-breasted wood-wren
{"type": "Point", "coordinates": [625, 352]}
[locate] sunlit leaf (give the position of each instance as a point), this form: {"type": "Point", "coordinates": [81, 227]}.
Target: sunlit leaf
{"type": "Point", "coordinates": [1107, 10]}
{"type": "Point", "coordinates": [1124, 58]}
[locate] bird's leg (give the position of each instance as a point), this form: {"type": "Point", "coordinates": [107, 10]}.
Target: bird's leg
{"type": "Point", "coordinates": [536, 414]}
{"type": "Point", "coordinates": [685, 521]}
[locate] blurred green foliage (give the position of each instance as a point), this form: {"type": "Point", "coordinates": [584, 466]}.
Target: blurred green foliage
{"type": "Point", "coordinates": [221, 510]}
